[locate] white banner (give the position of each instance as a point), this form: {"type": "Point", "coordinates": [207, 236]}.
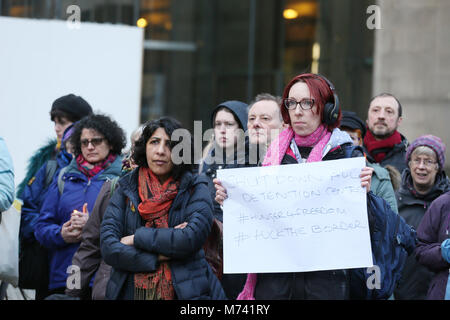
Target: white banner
{"type": "Point", "coordinates": [295, 218]}
{"type": "Point", "coordinates": [42, 60]}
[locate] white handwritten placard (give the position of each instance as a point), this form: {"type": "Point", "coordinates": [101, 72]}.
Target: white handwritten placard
{"type": "Point", "coordinates": [295, 218]}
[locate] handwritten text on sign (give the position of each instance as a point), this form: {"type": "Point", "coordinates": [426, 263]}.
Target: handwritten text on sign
{"type": "Point", "coordinates": [295, 218]}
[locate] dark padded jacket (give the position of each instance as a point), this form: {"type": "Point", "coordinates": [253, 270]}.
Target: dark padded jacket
{"type": "Point", "coordinates": [192, 276]}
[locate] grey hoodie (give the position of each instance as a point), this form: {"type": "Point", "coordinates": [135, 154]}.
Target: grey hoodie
{"type": "Point", "coordinates": [239, 110]}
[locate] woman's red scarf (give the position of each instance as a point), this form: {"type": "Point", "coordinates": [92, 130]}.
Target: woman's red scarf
{"type": "Point", "coordinates": [377, 148]}
{"type": "Point", "coordinates": [154, 209]}
{"type": "Point", "coordinates": [84, 166]}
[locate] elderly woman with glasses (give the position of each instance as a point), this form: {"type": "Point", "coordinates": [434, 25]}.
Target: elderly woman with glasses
{"type": "Point", "coordinates": [422, 182]}
{"type": "Point", "coordinates": [156, 224]}
{"type": "Point", "coordinates": [98, 142]}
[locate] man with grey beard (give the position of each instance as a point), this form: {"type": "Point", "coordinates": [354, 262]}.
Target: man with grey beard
{"type": "Point", "coordinates": [383, 144]}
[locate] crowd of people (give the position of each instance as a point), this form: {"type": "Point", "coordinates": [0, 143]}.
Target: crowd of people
{"type": "Point", "coordinates": [136, 225]}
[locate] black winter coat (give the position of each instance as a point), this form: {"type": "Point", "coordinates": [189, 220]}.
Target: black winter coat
{"type": "Point", "coordinates": [192, 276]}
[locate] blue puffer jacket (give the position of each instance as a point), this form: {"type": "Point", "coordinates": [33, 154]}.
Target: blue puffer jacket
{"type": "Point", "coordinates": [56, 210]}
{"type": "Point", "coordinates": [34, 194]}
{"type": "Point", "coordinates": [191, 275]}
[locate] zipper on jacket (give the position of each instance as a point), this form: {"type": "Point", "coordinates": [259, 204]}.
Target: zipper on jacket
{"type": "Point", "coordinates": [398, 239]}
{"type": "Point", "coordinates": [328, 147]}
{"type": "Point", "coordinates": [87, 185]}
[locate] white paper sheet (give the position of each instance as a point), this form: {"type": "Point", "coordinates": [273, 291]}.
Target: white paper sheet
{"type": "Point", "coordinates": [295, 218]}
{"type": "Point", "coordinates": [42, 60]}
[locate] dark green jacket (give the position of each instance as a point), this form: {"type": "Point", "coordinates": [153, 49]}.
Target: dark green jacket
{"type": "Point", "coordinates": [381, 185]}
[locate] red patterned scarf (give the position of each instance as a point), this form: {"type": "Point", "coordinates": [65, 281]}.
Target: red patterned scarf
{"type": "Point", "coordinates": [154, 209]}
{"type": "Point", "coordinates": [378, 148]}
{"type": "Point", "coordinates": [85, 167]}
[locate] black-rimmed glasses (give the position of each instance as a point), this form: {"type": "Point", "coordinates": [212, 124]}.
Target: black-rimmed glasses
{"type": "Point", "coordinates": [305, 104]}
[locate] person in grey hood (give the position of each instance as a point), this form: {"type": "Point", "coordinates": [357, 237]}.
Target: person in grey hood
{"type": "Point", "coordinates": [423, 181]}
{"type": "Point", "coordinates": [227, 149]}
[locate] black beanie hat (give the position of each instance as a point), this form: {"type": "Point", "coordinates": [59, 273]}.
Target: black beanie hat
{"type": "Point", "coordinates": [74, 106]}
{"type": "Point", "coordinates": [351, 120]}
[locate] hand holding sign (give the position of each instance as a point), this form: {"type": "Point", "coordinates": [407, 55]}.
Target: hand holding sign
{"type": "Point", "coordinates": [366, 177]}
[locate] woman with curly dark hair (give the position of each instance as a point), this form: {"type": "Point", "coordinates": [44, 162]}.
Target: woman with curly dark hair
{"type": "Point", "coordinates": [98, 141]}
{"type": "Point", "coordinates": [157, 221]}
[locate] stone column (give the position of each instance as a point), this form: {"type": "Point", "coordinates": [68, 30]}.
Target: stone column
{"type": "Point", "coordinates": [412, 61]}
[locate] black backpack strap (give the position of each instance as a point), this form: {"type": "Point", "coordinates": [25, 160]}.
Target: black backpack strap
{"type": "Point", "coordinates": [50, 171]}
